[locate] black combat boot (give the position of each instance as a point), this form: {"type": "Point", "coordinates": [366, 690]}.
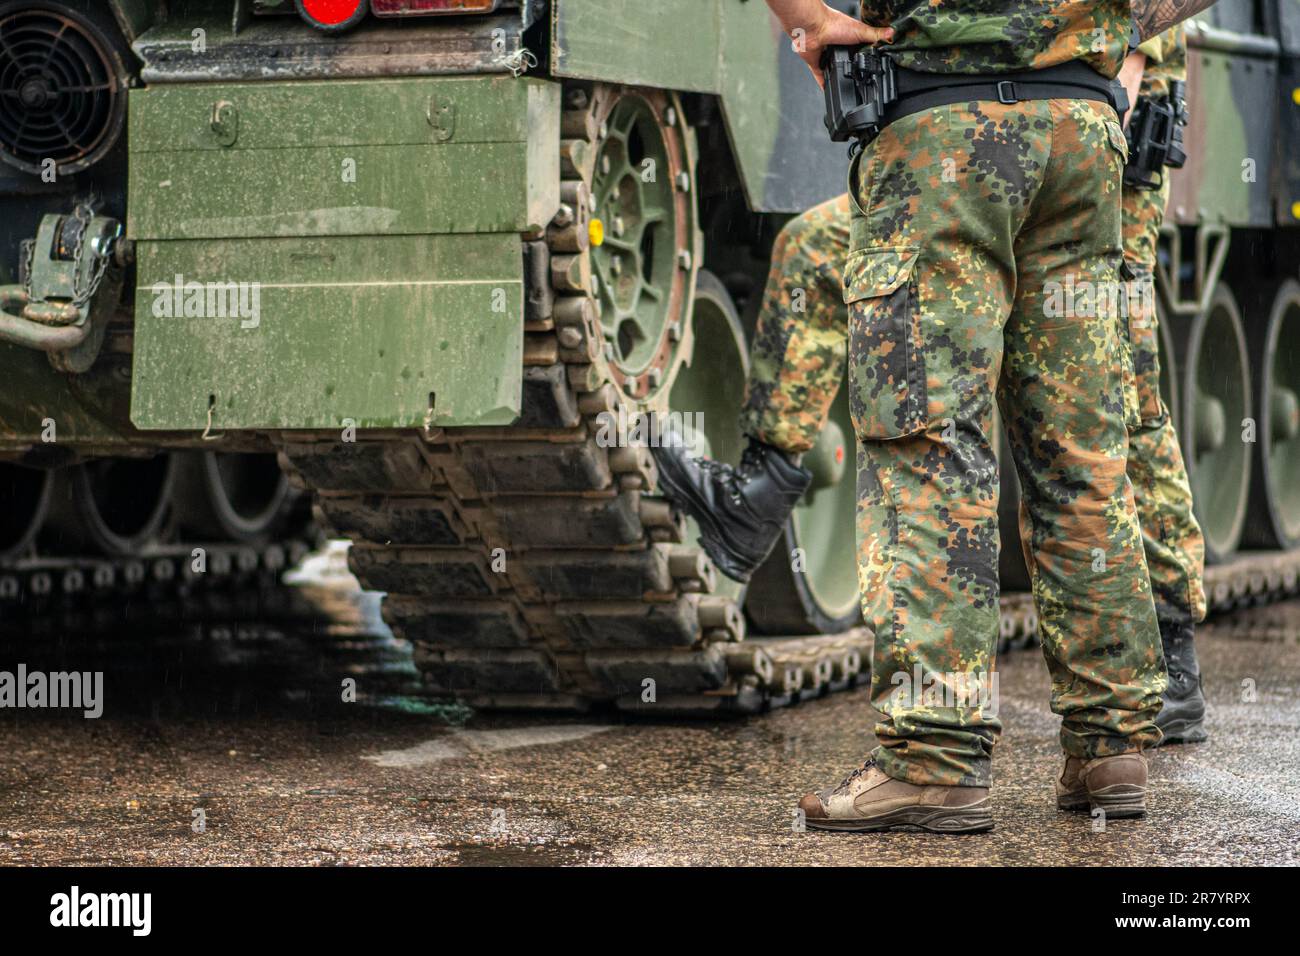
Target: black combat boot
{"type": "Point", "coordinates": [1182, 718]}
{"type": "Point", "coordinates": [740, 510]}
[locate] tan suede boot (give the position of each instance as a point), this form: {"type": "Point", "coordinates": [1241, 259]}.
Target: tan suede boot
{"type": "Point", "coordinates": [870, 799]}
{"type": "Point", "coordinates": [1118, 785]}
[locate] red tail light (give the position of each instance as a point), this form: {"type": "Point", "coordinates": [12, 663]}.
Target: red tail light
{"type": "Point", "coordinates": [333, 15]}
{"type": "Point", "coordinates": [419, 8]}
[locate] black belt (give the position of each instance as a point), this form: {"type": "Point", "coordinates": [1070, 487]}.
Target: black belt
{"type": "Point", "coordinates": [865, 90]}
{"type": "Point", "coordinates": [1075, 80]}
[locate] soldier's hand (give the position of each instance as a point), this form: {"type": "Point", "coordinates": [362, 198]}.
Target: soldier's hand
{"type": "Point", "coordinates": [1130, 75]}
{"type": "Point", "coordinates": [813, 26]}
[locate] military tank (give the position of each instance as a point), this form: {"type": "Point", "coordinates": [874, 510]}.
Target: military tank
{"type": "Point", "coordinates": [439, 266]}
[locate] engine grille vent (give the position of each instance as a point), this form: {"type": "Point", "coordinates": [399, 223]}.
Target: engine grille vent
{"type": "Point", "coordinates": [61, 93]}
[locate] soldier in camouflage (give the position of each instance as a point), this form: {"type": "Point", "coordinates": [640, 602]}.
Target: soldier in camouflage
{"type": "Point", "coordinates": [797, 363]}
{"type": "Point", "coordinates": [1175, 550]}
{"type": "Point", "coordinates": [968, 220]}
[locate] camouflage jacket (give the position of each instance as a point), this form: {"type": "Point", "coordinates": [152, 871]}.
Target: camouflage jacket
{"type": "Point", "coordinates": [1166, 60]}
{"type": "Point", "coordinates": [999, 36]}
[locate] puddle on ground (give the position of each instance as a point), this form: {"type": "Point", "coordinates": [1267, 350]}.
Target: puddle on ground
{"type": "Point", "coordinates": [462, 743]}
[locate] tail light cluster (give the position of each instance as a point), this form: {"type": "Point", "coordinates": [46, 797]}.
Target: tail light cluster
{"type": "Point", "coordinates": [338, 15]}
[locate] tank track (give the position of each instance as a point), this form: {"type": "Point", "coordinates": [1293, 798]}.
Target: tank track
{"type": "Point", "coordinates": [1250, 579]}
{"type": "Point", "coordinates": [46, 596]}
{"type": "Point", "coordinates": [51, 596]}
{"type": "Point", "coordinates": [529, 566]}
{"type": "Point", "coordinates": [595, 590]}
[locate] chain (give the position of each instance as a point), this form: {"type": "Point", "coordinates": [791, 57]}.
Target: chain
{"type": "Point", "coordinates": [29, 245]}
{"type": "Point", "coordinates": [83, 293]}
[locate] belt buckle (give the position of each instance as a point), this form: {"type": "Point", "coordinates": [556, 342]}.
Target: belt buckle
{"type": "Point", "coordinates": [1007, 92]}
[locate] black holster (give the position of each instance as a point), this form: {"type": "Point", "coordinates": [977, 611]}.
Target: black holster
{"type": "Point", "coordinates": [1155, 137]}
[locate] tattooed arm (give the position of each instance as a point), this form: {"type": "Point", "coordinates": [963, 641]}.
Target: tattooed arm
{"type": "Point", "coordinates": [1156, 16]}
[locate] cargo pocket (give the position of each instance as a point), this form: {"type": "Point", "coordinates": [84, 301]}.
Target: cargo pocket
{"type": "Point", "coordinates": [887, 390]}
{"type": "Point", "coordinates": [1144, 339]}
{"type": "Point", "coordinates": [1118, 142]}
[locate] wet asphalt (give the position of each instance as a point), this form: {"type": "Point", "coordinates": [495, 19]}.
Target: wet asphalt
{"type": "Point", "coordinates": [245, 725]}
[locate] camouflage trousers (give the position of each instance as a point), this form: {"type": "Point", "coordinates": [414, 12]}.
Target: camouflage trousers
{"type": "Point", "coordinates": [1171, 537]}
{"type": "Point", "coordinates": [977, 220]}
{"type": "Point", "coordinates": [798, 357]}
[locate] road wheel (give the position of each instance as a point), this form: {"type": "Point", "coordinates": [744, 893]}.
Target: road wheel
{"type": "Point", "coordinates": [232, 497]}
{"type": "Point", "coordinates": [1216, 401]}
{"type": "Point", "coordinates": [1273, 520]}
{"type": "Point", "coordinates": [112, 506]}
{"type": "Point", "coordinates": [26, 493]}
